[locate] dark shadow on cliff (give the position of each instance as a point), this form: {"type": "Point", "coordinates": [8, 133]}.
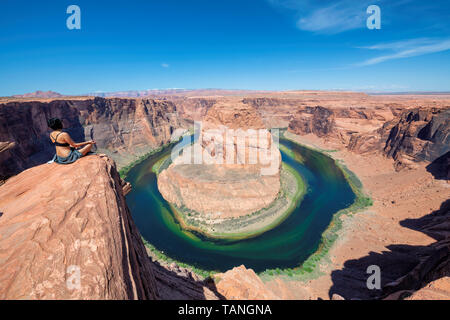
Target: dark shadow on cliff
{"type": "Point", "coordinates": [26, 131]}
{"type": "Point", "coordinates": [440, 168]}
{"type": "Point", "coordinates": [177, 284]}
{"type": "Point", "coordinates": [45, 149]}
{"type": "Point", "coordinates": [403, 267]}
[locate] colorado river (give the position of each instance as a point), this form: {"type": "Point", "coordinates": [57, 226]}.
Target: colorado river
{"type": "Point", "coordinates": [285, 246]}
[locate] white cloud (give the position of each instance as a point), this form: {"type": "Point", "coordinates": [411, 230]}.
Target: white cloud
{"type": "Point", "coordinates": [165, 65]}
{"type": "Point", "coordinates": [407, 49]}
{"type": "Point", "coordinates": [333, 19]}
{"type": "Point", "coordinates": [328, 16]}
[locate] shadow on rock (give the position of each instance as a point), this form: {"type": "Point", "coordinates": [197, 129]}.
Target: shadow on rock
{"type": "Point", "coordinates": [440, 168]}
{"type": "Point", "coordinates": [404, 268]}
{"type": "Point", "coordinates": [177, 283]}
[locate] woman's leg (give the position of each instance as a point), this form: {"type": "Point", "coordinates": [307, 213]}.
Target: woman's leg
{"type": "Point", "coordinates": [85, 149]}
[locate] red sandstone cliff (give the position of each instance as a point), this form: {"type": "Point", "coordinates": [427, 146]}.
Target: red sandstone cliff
{"type": "Point", "coordinates": [408, 136]}
{"type": "Point", "coordinates": [317, 120]}
{"type": "Point", "coordinates": [58, 216]}
{"type": "Point", "coordinates": [419, 134]}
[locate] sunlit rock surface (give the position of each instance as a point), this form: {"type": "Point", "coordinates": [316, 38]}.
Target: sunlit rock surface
{"type": "Point", "coordinates": [57, 219]}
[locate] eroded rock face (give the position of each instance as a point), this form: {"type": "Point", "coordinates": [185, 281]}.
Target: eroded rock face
{"type": "Point", "coordinates": [57, 218]}
{"type": "Point", "coordinates": [414, 135]}
{"type": "Point", "coordinates": [231, 188]}
{"type": "Point", "coordinates": [275, 112]}
{"type": "Point", "coordinates": [317, 120]}
{"type": "Point", "coordinates": [241, 283]}
{"type": "Point", "coordinates": [192, 108]}
{"type": "Point", "coordinates": [408, 136]}
{"type": "Point", "coordinates": [124, 129]}
{"type": "Point", "coordinates": [128, 128]}
{"type": "Point", "coordinates": [419, 134]}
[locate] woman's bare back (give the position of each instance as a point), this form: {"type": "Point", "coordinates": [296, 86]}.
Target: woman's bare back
{"type": "Point", "coordinates": [61, 151]}
{"type": "Point", "coordinates": [66, 144]}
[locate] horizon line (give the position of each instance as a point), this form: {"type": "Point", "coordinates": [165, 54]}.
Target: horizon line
{"type": "Point", "coordinates": [124, 92]}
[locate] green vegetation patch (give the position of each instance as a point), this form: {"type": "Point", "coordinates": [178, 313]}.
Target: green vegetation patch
{"type": "Point", "coordinates": [125, 170]}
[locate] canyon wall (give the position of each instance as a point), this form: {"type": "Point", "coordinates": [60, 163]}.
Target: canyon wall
{"type": "Point", "coordinates": [80, 217]}
{"type": "Point", "coordinates": [58, 222]}
{"type": "Point", "coordinates": [125, 129]}
{"type": "Point", "coordinates": [275, 112]}
{"type": "Point", "coordinates": [407, 136]}
{"type": "Point", "coordinates": [415, 135]}
{"type": "Point", "coordinates": [419, 134]}
{"type": "Point", "coordinates": [191, 108]}
{"type": "Point", "coordinates": [319, 121]}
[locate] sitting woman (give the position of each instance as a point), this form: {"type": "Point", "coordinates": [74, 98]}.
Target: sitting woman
{"type": "Point", "coordinates": [66, 149]}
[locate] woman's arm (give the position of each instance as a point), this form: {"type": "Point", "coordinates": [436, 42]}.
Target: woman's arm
{"type": "Point", "coordinates": [72, 143]}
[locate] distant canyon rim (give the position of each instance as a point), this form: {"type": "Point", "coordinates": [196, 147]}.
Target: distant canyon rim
{"type": "Point", "coordinates": [398, 145]}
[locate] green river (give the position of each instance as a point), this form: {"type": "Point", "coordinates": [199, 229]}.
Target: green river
{"type": "Point", "coordinates": [285, 246]}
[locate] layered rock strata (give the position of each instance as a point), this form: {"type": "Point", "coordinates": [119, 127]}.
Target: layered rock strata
{"type": "Point", "coordinates": [408, 136]}
{"type": "Point", "coordinates": [415, 135]}
{"type": "Point", "coordinates": [66, 233]}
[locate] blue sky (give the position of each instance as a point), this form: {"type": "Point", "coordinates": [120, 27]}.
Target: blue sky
{"type": "Point", "coordinates": [230, 44]}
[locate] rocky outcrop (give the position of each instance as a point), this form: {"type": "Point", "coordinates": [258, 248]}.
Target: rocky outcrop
{"type": "Point", "coordinates": [241, 283]}
{"type": "Point", "coordinates": [123, 128]}
{"type": "Point", "coordinates": [317, 120]}
{"type": "Point", "coordinates": [415, 135]}
{"type": "Point", "coordinates": [230, 188]}
{"type": "Point", "coordinates": [440, 167]}
{"type": "Point", "coordinates": [192, 109]}
{"type": "Point", "coordinates": [419, 134]}
{"type": "Point", "coordinates": [178, 283]}
{"type": "Point", "coordinates": [365, 143]}
{"type": "Point", "coordinates": [59, 222]}
{"type": "Point", "coordinates": [407, 136]}
{"type": "Point", "coordinates": [275, 112]}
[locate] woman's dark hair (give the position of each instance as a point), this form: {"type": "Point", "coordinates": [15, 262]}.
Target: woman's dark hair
{"type": "Point", "coordinates": [55, 124]}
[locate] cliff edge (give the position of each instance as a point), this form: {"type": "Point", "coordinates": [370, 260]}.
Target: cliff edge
{"type": "Point", "coordinates": [66, 233]}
